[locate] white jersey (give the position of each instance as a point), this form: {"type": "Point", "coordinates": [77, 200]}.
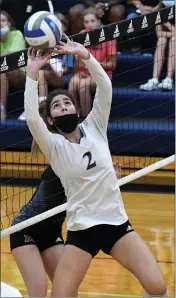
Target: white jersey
{"type": "Point", "coordinates": [86, 170]}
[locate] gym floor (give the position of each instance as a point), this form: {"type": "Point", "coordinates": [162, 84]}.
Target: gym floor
{"type": "Point", "coordinates": [152, 216]}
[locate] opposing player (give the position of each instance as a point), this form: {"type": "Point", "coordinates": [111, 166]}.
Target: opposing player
{"type": "Point", "coordinates": [80, 156]}
{"type": "Point", "coordinates": [38, 248]}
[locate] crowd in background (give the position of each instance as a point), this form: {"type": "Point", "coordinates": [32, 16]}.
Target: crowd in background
{"type": "Point", "coordinates": [79, 16]}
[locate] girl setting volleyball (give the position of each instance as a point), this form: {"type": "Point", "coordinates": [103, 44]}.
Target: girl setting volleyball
{"type": "Point", "coordinates": [38, 248]}
{"type": "Point", "coordinates": [79, 155]}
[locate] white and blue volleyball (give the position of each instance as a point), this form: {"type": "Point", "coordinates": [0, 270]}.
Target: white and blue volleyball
{"type": "Point", "coordinates": [43, 30]}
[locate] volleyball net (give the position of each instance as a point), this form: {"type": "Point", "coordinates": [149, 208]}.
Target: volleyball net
{"type": "Point", "coordinates": [141, 123]}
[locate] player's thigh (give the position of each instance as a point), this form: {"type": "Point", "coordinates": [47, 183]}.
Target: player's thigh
{"type": "Point", "coordinates": [29, 262]}
{"type": "Point", "coordinates": [80, 247]}
{"type": "Point", "coordinates": [70, 271]}
{"type": "Point", "coordinates": [51, 246]}
{"type": "Point", "coordinates": [51, 257]}
{"type": "Point", "coordinates": [133, 254]}
{"type": "Point", "coordinates": [32, 269]}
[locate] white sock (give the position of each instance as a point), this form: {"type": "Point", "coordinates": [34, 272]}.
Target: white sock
{"type": "Point", "coordinates": [169, 78]}
{"type": "Point", "coordinates": [41, 98]}
{"type": "Point", "coordinates": [156, 80]}
{"type": "Point", "coordinates": [165, 295]}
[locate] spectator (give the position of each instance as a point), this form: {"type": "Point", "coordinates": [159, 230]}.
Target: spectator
{"type": "Point", "coordinates": [146, 6]}
{"type": "Point", "coordinates": [56, 74]}
{"type": "Point", "coordinates": [147, 41]}
{"type": "Point", "coordinates": [165, 34]}
{"type": "Point", "coordinates": [63, 20]}
{"type": "Point", "coordinates": [82, 84]}
{"type": "Point", "coordinates": [10, 41]}
{"type": "Point", "coordinates": [131, 11]}
{"type": "Point", "coordinates": [110, 11]}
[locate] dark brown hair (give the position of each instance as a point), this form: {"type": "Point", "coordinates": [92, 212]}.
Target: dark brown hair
{"type": "Point", "coordinates": [9, 18]}
{"type": "Point", "coordinates": [45, 105]}
{"type": "Point", "coordinates": [62, 18]}
{"type": "Point", "coordinates": [53, 94]}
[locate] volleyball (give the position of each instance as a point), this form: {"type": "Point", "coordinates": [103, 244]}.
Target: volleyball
{"type": "Point", "coordinates": [43, 30]}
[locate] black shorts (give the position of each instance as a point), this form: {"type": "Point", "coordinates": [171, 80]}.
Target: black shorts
{"type": "Point", "coordinates": [43, 241]}
{"type": "Point", "coordinates": [100, 237]}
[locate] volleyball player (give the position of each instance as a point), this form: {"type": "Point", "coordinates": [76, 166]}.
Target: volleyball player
{"type": "Point", "coordinates": [37, 249]}
{"type": "Point", "coordinates": [80, 156]}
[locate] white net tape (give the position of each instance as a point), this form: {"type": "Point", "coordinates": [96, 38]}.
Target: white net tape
{"type": "Point", "coordinates": [63, 207]}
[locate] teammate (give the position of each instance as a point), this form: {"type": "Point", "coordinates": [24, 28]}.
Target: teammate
{"type": "Point", "coordinates": [80, 156]}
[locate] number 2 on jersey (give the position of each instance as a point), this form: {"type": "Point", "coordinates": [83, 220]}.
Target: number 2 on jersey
{"type": "Point", "coordinates": [90, 165]}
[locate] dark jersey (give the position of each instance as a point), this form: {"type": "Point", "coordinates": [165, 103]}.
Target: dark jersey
{"type": "Point", "coordinates": [49, 194]}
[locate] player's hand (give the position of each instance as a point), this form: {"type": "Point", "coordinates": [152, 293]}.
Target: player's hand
{"type": "Point", "coordinates": [117, 168]}
{"type": "Point", "coordinates": [37, 59]}
{"type": "Point", "coordinates": [71, 47]}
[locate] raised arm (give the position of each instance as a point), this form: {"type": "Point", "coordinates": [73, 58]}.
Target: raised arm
{"type": "Point", "coordinates": [35, 123]}
{"type": "Point", "coordinates": [103, 97]}
{"type": "Point", "coordinates": [102, 102]}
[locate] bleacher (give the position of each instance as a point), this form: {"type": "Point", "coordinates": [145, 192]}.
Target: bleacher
{"type": "Point", "coordinates": [140, 122]}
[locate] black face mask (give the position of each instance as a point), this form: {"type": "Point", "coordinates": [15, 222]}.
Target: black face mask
{"type": "Point", "coordinates": [67, 123]}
